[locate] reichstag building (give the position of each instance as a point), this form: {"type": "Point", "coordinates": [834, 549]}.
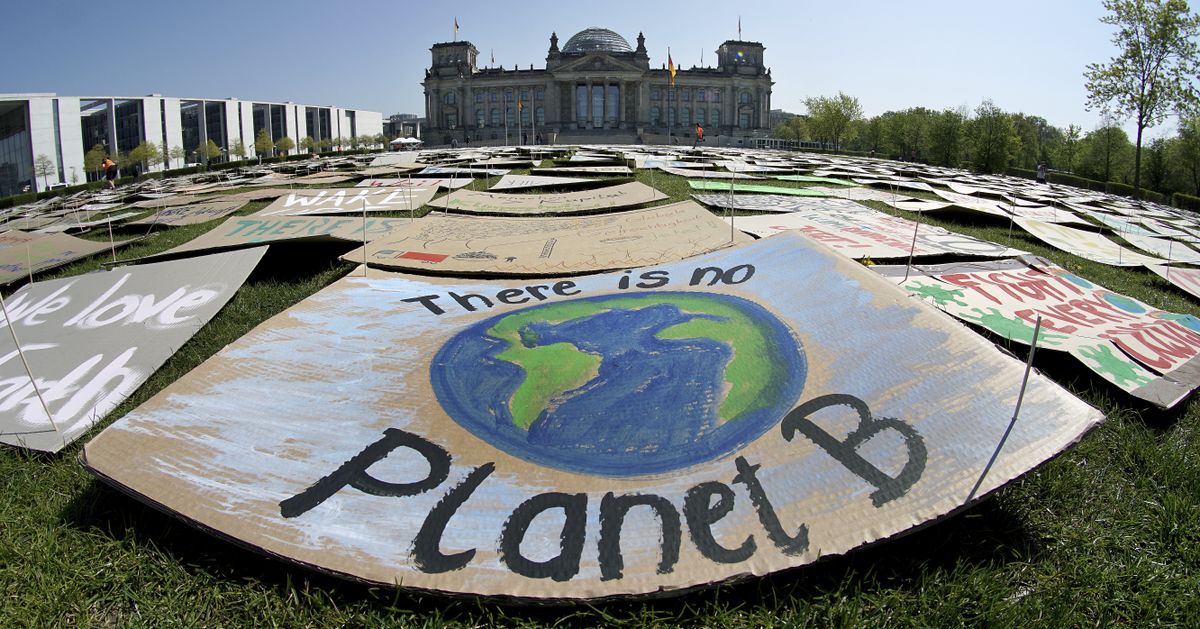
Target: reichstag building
{"type": "Point", "coordinates": [596, 88]}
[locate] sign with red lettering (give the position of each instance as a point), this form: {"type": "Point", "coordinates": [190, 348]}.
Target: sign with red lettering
{"type": "Point", "coordinates": [633, 433]}
{"type": "Point", "coordinates": [1151, 353]}
{"type": "Point", "coordinates": [90, 341]}
{"type": "Point", "coordinates": [864, 232]}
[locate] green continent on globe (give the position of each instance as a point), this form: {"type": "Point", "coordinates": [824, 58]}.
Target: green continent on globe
{"type": "Point", "coordinates": [553, 370]}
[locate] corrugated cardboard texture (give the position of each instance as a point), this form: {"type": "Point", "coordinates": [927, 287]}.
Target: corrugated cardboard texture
{"type": "Point", "coordinates": [530, 246]}
{"type": "Point", "coordinates": [631, 433]}
{"type": "Point", "coordinates": [91, 340]}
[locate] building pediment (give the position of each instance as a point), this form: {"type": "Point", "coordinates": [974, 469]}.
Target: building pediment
{"type": "Point", "coordinates": [598, 63]}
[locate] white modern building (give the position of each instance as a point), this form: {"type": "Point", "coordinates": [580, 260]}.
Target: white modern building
{"type": "Point", "coordinates": [64, 128]}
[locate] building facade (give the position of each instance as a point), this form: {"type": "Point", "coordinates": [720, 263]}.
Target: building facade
{"type": "Point", "coordinates": [64, 128]}
{"type": "Point", "coordinates": [597, 86]}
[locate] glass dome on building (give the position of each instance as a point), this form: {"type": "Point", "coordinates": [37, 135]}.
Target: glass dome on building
{"type": "Point", "coordinates": [596, 39]}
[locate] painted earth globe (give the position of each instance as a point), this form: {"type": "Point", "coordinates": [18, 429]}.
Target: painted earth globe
{"type": "Point", "coordinates": [622, 385]}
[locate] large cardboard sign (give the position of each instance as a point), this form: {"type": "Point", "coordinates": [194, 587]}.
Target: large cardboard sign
{"type": "Point", "coordinates": [530, 246]}
{"type": "Point", "coordinates": [863, 232]}
{"type": "Point", "coordinates": [632, 433]}
{"type": "Point", "coordinates": [608, 197]}
{"type": "Point", "coordinates": [1187, 280]}
{"type": "Point", "coordinates": [190, 214]}
{"type": "Point", "coordinates": [707, 174]}
{"type": "Point", "coordinates": [249, 231]}
{"type": "Point", "coordinates": [755, 188]}
{"type": "Point", "coordinates": [774, 202]}
{"type": "Point", "coordinates": [522, 182]}
{"type": "Point", "coordinates": [1085, 244]}
{"type": "Point", "coordinates": [349, 201]}
{"type": "Point", "coordinates": [1151, 353]}
{"type": "Point", "coordinates": [1167, 249]}
{"type": "Point", "coordinates": [583, 171]}
{"type": "Point", "coordinates": [91, 340]}
{"type": "Point", "coordinates": [22, 254]}
{"type": "Point", "coordinates": [420, 183]}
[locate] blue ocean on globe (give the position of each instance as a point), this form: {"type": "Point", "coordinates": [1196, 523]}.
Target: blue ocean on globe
{"type": "Point", "coordinates": [626, 388]}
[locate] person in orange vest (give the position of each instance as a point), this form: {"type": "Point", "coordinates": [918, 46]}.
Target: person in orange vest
{"type": "Point", "coordinates": [110, 172]}
{"type": "Point", "coordinates": [699, 135]}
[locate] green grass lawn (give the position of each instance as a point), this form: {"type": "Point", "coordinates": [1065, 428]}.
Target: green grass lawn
{"type": "Point", "coordinates": [1106, 534]}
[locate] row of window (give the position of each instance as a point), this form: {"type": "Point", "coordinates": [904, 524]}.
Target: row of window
{"type": "Point", "coordinates": [700, 94]}
{"type": "Point", "coordinates": [494, 96]}
{"type": "Point", "coordinates": [496, 117]}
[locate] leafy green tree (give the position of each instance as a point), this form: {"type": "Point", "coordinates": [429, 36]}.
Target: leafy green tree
{"type": "Point", "coordinates": [263, 144]}
{"type": "Point", "coordinates": [1106, 152]}
{"type": "Point", "coordinates": [905, 133]}
{"type": "Point", "coordinates": [155, 155]}
{"type": "Point", "coordinates": [1187, 152]}
{"type": "Point", "coordinates": [239, 149]}
{"type": "Point", "coordinates": [991, 138]}
{"type": "Point", "coordinates": [44, 167]}
{"type": "Point", "coordinates": [870, 134]}
{"type": "Point", "coordinates": [381, 140]}
{"type": "Point", "coordinates": [284, 144]}
{"type": "Point", "coordinates": [793, 128]}
{"type": "Point", "coordinates": [1064, 156]}
{"type": "Point", "coordinates": [308, 143]}
{"type": "Point", "coordinates": [208, 151]}
{"type": "Point", "coordinates": [325, 144]}
{"type": "Point", "coordinates": [340, 142]}
{"type": "Point", "coordinates": [1158, 168]}
{"type": "Point", "coordinates": [177, 154]}
{"type": "Point", "coordinates": [93, 159]}
{"type": "Point", "coordinates": [946, 137]}
{"type": "Point", "coordinates": [1152, 74]}
{"type": "Point", "coordinates": [831, 118]}
{"type": "Point", "coordinates": [144, 154]}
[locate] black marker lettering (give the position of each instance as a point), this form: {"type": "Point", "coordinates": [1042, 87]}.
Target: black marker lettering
{"type": "Point", "coordinates": [566, 564]}
{"type": "Point", "coordinates": [701, 514]}
{"type": "Point", "coordinates": [612, 518]}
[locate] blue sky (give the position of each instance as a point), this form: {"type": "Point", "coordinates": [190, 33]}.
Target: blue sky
{"type": "Point", "coordinates": [1024, 55]}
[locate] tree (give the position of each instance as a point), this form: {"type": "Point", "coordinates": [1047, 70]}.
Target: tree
{"type": "Point", "coordinates": [1151, 76]}
{"type": "Point", "coordinates": [239, 149]}
{"type": "Point", "coordinates": [144, 153]}
{"type": "Point", "coordinates": [208, 151]}
{"type": "Point", "coordinates": [263, 144]}
{"type": "Point", "coordinates": [155, 157]}
{"type": "Point", "coordinates": [992, 138]}
{"type": "Point", "coordinates": [308, 143]}
{"type": "Point", "coordinates": [44, 167]}
{"type": "Point", "coordinates": [340, 142]}
{"type": "Point", "coordinates": [831, 118]}
{"type": "Point", "coordinates": [284, 144]}
{"type": "Point", "coordinates": [325, 144]}
{"type": "Point", "coordinates": [1157, 167]}
{"type": "Point", "coordinates": [945, 138]}
{"type": "Point", "coordinates": [1065, 155]}
{"type": "Point", "coordinates": [793, 128]}
{"type": "Point", "coordinates": [177, 153]}
{"type": "Point", "coordinates": [1187, 151]}
{"type": "Point", "coordinates": [1106, 152]}
{"type": "Point", "coordinates": [93, 159]}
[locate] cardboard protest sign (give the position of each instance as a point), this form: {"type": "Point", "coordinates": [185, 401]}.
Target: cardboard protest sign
{"type": "Point", "coordinates": [608, 197]}
{"type": "Point", "coordinates": [583, 171]}
{"type": "Point", "coordinates": [520, 182]}
{"type": "Point", "coordinates": [707, 174]}
{"type": "Point", "coordinates": [248, 231]}
{"type": "Point", "coordinates": [814, 179]}
{"type": "Point", "coordinates": [1152, 354]}
{"type": "Point", "coordinates": [420, 183]}
{"type": "Point", "coordinates": [1085, 244]}
{"type": "Point", "coordinates": [447, 171]}
{"type": "Point", "coordinates": [91, 340]}
{"type": "Point", "coordinates": [863, 232]}
{"type": "Point", "coordinates": [1167, 249]}
{"type": "Point", "coordinates": [863, 194]}
{"type": "Point", "coordinates": [190, 214]}
{"type": "Point", "coordinates": [1186, 280]}
{"type": "Point", "coordinates": [349, 201]}
{"type": "Point", "coordinates": [774, 202]}
{"type": "Point", "coordinates": [632, 433]}
{"type": "Point", "coordinates": [20, 256]}
{"type": "Point", "coordinates": [755, 188]}
{"type": "Point", "coordinates": [528, 246]}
